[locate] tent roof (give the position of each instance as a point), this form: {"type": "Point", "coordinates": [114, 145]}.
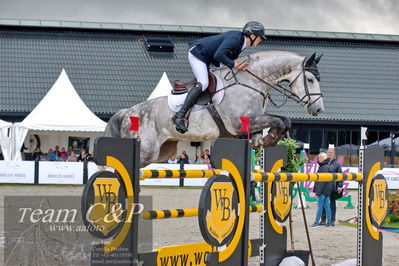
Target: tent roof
{"type": "Point", "coordinates": [63, 110]}
{"type": "Point", "coordinates": [4, 124]}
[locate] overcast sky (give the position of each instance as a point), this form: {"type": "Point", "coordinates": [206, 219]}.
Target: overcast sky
{"type": "Point", "coordinates": [365, 16]}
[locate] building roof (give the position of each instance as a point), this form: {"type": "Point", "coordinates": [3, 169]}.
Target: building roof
{"type": "Point", "coordinates": [110, 68]}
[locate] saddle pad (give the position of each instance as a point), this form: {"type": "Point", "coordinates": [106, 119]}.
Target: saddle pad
{"type": "Point", "coordinates": [175, 102]}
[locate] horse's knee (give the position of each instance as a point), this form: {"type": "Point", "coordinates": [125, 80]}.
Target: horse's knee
{"type": "Point", "coordinates": [287, 122]}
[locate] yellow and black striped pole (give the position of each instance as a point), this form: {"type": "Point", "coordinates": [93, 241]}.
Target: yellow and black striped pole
{"type": "Point", "coordinates": [144, 174]}
{"type": "Point", "coordinates": [180, 213]}
{"type": "Point", "coordinates": [301, 177]}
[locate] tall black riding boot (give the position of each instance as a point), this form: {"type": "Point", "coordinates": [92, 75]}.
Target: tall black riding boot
{"type": "Point", "coordinates": [179, 119]}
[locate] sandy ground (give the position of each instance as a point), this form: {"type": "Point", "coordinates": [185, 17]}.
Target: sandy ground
{"type": "Point", "coordinates": [330, 245]}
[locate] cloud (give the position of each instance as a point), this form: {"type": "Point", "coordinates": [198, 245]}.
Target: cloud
{"type": "Point", "coordinates": [367, 16]}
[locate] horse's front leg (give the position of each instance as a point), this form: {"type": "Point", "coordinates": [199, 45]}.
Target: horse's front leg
{"type": "Point", "coordinates": [279, 125]}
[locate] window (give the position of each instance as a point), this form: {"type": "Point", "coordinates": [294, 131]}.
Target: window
{"type": "Point", "coordinates": [159, 43]}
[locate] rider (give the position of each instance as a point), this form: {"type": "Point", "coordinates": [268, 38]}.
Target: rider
{"type": "Point", "coordinates": [222, 48]}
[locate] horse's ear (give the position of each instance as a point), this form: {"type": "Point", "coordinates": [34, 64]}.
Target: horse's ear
{"type": "Point", "coordinates": [317, 60]}
{"type": "Point", "coordinates": [310, 60]}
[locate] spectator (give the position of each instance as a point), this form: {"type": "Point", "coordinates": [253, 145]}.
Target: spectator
{"type": "Point", "coordinates": [57, 151]}
{"type": "Point", "coordinates": [63, 155]}
{"type": "Point", "coordinates": [70, 149]}
{"type": "Point", "coordinates": [208, 154]}
{"type": "Point", "coordinates": [72, 157]}
{"type": "Point", "coordinates": [172, 159]}
{"type": "Point", "coordinates": [336, 187]}
{"type": "Point", "coordinates": [84, 156]}
{"type": "Point", "coordinates": [36, 156]}
{"type": "Point", "coordinates": [206, 160]}
{"type": "Point", "coordinates": [51, 155]}
{"type": "Point", "coordinates": [323, 190]}
{"type": "Point", "coordinates": [200, 157]}
{"type": "Point", "coordinates": [183, 158]}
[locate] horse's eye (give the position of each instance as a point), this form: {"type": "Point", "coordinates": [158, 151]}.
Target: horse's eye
{"type": "Point", "coordinates": [310, 80]}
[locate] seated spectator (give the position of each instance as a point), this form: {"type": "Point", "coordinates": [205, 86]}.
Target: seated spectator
{"type": "Point", "coordinates": [51, 155]}
{"type": "Point", "coordinates": [183, 158]}
{"type": "Point", "coordinates": [199, 158]}
{"type": "Point", "coordinates": [72, 157]}
{"type": "Point", "coordinates": [206, 160]}
{"type": "Point", "coordinates": [57, 151]}
{"type": "Point", "coordinates": [84, 156]}
{"type": "Point", "coordinates": [172, 159]}
{"type": "Point", "coordinates": [63, 155]}
{"type": "Point", "coordinates": [208, 154]}
{"type": "Point", "coordinates": [70, 149]}
{"type": "Point", "coordinates": [37, 154]}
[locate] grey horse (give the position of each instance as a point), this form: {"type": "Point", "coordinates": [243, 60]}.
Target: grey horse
{"type": "Point", "coordinates": [246, 94]}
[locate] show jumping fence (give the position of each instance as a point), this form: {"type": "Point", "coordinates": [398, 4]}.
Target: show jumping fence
{"type": "Point", "coordinates": [223, 211]}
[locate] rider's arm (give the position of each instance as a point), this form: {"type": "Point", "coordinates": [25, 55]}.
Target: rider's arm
{"type": "Point", "coordinates": [225, 48]}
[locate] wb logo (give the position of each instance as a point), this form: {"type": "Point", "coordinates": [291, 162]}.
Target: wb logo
{"type": "Point", "coordinates": [107, 197]}
{"type": "Point", "coordinates": [379, 191]}
{"type": "Point", "coordinates": [222, 203]}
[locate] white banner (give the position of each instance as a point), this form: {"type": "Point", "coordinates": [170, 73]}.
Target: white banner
{"type": "Point", "coordinates": [61, 173]}
{"type": "Point", "coordinates": [17, 172]}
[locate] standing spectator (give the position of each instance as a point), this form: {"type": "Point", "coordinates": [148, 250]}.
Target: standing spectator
{"type": "Point", "coordinates": [51, 155]}
{"type": "Point", "coordinates": [63, 154]}
{"type": "Point", "coordinates": [337, 187]}
{"type": "Point", "coordinates": [84, 156]}
{"type": "Point", "coordinates": [72, 157]}
{"type": "Point", "coordinates": [172, 159]}
{"type": "Point", "coordinates": [183, 158]}
{"type": "Point", "coordinates": [37, 154]}
{"type": "Point", "coordinates": [323, 190]}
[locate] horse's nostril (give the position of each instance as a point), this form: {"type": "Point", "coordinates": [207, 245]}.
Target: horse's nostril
{"type": "Point", "coordinates": [318, 110]}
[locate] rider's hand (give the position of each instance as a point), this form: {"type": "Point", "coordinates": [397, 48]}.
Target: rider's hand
{"type": "Point", "coordinates": [241, 65]}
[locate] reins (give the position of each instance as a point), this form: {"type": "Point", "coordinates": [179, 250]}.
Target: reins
{"type": "Point", "coordinates": [280, 89]}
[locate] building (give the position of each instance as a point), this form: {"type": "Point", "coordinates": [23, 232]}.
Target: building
{"type": "Point", "coordinates": [114, 66]}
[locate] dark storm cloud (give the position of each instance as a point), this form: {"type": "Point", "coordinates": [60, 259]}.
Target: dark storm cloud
{"type": "Point", "coordinates": [373, 16]}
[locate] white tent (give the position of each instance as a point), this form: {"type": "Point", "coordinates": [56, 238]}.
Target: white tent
{"type": "Point", "coordinates": [48, 115]}
{"type": "Point", "coordinates": [162, 89]}
{"type": "Point", "coordinates": [6, 139]}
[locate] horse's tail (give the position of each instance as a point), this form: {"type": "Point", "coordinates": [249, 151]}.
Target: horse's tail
{"type": "Point", "coordinates": [113, 128]}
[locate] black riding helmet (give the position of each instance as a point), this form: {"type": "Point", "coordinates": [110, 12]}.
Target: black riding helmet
{"type": "Point", "coordinates": [254, 27]}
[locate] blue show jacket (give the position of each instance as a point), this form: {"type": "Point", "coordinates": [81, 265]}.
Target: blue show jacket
{"type": "Point", "coordinates": [222, 48]}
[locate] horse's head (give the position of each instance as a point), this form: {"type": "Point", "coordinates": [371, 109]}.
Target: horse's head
{"type": "Point", "coordinates": [305, 84]}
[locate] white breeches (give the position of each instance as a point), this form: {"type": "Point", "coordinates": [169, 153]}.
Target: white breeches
{"type": "Point", "coordinates": [200, 70]}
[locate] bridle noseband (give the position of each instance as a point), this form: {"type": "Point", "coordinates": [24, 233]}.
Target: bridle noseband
{"type": "Point", "coordinates": [287, 93]}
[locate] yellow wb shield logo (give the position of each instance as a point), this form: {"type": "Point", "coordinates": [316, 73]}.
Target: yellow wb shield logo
{"type": "Point", "coordinates": [107, 211]}
{"type": "Point", "coordinates": [379, 202]}
{"type": "Point", "coordinates": [282, 200]}
{"type": "Point", "coordinates": [221, 217]}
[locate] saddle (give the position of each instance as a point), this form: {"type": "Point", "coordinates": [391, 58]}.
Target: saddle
{"type": "Point", "coordinates": [180, 87]}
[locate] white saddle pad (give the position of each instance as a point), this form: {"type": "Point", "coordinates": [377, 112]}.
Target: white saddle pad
{"type": "Point", "coordinates": [176, 101]}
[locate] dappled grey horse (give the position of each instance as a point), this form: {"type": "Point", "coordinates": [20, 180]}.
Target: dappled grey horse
{"type": "Point", "coordinates": [246, 94]}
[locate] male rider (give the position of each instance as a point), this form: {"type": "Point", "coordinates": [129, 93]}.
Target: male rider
{"type": "Point", "coordinates": [222, 48]}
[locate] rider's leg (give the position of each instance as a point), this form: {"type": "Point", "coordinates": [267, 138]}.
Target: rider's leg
{"type": "Point", "coordinates": [200, 71]}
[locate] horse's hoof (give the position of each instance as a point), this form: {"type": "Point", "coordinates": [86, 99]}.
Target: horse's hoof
{"type": "Point", "coordinates": [257, 142]}
{"type": "Point", "coordinates": [272, 138]}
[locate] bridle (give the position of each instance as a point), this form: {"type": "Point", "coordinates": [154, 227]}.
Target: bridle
{"type": "Point", "coordinates": [304, 101]}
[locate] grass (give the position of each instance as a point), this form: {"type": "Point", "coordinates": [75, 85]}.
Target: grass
{"type": "Point", "coordinates": [348, 224]}
{"type": "Point", "coordinates": [391, 225]}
